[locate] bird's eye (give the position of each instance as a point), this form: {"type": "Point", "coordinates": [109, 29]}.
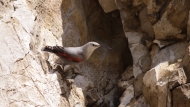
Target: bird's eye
{"type": "Point", "coordinates": [93, 45]}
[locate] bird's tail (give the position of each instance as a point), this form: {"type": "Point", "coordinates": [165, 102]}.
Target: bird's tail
{"type": "Point", "coordinates": [48, 49]}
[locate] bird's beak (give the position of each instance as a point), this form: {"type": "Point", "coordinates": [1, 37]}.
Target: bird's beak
{"type": "Point", "coordinates": [105, 46]}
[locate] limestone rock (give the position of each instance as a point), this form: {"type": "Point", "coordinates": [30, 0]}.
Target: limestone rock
{"type": "Point", "coordinates": [164, 30]}
{"type": "Point", "coordinates": [76, 97]}
{"type": "Point", "coordinates": [124, 84]}
{"type": "Point", "coordinates": [136, 56]}
{"type": "Point", "coordinates": [108, 5]}
{"type": "Point", "coordinates": [102, 68]}
{"type": "Point", "coordinates": [148, 65]}
{"type": "Point", "coordinates": [162, 43]}
{"type": "Point", "coordinates": [27, 26]}
{"type": "Point", "coordinates": [83, 83]}
{"type": "Point", "coordinates": [168, 27]}
{"type": "Point", "coordinates": [153, 8]}
{"type": "Point", "coordinates": [127, 96]}
{"type": "Point", "coordinates": [165, 74]}
{"type": "Point", "coordinates": [140, 102]}
{"type": "Point", "coordinates": [170, 54]}
{"type": "Point", "coordinates": [145, 23]}
{"type": "Point", "coordinates": [163, 77]}
{"type": "Point", "coordinates": [137, 3]}
{"type": "Point", "coordinates": [134, 37]}
{"type": "Point", "coordinates": [138, 85]}
{"type": "Point", "coordinates": [128, 15]}
{"type": "Point", "coordinates": [181, 96]}
{"type": "Point", "coordinates": [180, 14]}
{"type": "Point", "coordinates": [128, 74]}
{"type": "Point", "coordinates": [154, 51]}
{"type": "Point", "coordinates": [185, 63]}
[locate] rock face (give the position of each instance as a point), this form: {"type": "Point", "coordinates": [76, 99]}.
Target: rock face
{"type": "Point", "coordinates": [28, 25]}
{"type": "Point", "coordinates": [181, 96]}
{"type": "Point", "coordinates": [148, 65]}
{"type": "Point", "coordinates": [158, 45]}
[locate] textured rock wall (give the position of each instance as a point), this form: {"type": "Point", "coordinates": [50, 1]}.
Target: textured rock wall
{"type": "Point", "coordinates": [28, 25]}
{"type": "Point", "coordinates": [148, 65]}
{"type": "Point", "coordinates": [158, 36]}
{"type": "Point", "coordinates": [86, 21]}
{"type": "Point", "coordinates": [25, 27]}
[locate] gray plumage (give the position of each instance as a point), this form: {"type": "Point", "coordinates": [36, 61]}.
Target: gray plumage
{"type": "Point", "coordinates": [73, 55]}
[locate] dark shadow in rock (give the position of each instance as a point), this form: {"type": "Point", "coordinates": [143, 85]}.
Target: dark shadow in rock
{"type": "Point", "coordinates": [66, 81]}
{"type": "Point", "coordinates": [107, 28]}
{"type": "Point", "coordinates": [86, 21]}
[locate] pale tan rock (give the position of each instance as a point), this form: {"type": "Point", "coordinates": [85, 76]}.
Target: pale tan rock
{"type": "Point", "coordinates": [134, 37]}
{"type": "Point", "coordinates": [128, 15]}
{"type": "Point", "coordinates": [28, 25]}
{"type": "Point", "coordinates": [103, 66]}
{"type": "Point", "coordinates": [124, 84]}
{"type": "Point", "coordinates": [163, 29]}
{"type": "Point", "coordinates": [27, 82]}
{"type": "Point", "coordinates": [6, 10]}
{"type": "Point", "coordinates": [140, 102]}
{"type": "Point", "coordinates": [154, 6]}
{"type": "Point", "coordinates": [167, 27]}
{"type": "Point", "coordinates": [138, 85]}
{"type": "Point", "coordinates": [180, 14]}
{"type": "Point", "coordinates": [185, 63]}
{"type": "Point", "coordinates": [127, 96]}
{"type": "Point", "coordinates": [157, 80]}
{"type": "Point", "coordinates": [128, 74]}
{"type": "Point", "coordinates": [137, 3]}
{"type": "Point", "coordinates": [84, 83]}
{"type": "Point", "coordinates": [145, 23]}
{"type": "Point", "coordinates": [181, 96]}
{"type": "Point", "coordinates": [165, 75]}
{"type": "Point", "coordinates": [154, 51]}
{"type": "Point", "coordinates": [153, 9]}
{"type": "Point", "coordinates": [139, 51]}
{"type": "Point", "coordinates": [162, 43]}
{"type": "Point", "coordinates": [108, 5]}
{"type": "Point", "coordinates": [170, 54]}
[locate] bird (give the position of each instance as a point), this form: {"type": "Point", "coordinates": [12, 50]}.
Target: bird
{"type": "Point", "coordinates": [73, 55]}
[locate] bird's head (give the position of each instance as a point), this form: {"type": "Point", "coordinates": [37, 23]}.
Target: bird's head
{"type": "Point", "coordinates": [90, 47]}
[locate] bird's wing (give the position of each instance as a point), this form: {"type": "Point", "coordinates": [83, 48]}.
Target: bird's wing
{"type": "Point", "coordinates": [71, 53]}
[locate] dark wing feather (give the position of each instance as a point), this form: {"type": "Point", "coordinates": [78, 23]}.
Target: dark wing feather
{"type": "Point", "coordinates": [61, 52]}
{"type": "Point", "coordinates": [59, 49]}
{"type": "Point", "coordinates": [53, 49]}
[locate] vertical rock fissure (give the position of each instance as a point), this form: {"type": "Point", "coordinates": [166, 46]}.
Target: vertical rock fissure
{"type": "Point", "coordinates": [107, 29]}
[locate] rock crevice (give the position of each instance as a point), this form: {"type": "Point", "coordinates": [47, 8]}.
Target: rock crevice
{"type": "Point", "coordinates": [148, 65]}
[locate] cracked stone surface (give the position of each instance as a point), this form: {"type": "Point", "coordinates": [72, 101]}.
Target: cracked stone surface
{"type": "Point", "coordinates": [25, 81]}
{"type": "Point", "coordinates": [148, 65]}
{"type": "Point", "coordinates": [158, 36]}
{"type": "Point", "coordinates": [28, 25]}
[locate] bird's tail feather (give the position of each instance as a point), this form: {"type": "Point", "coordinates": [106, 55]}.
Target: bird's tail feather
{"type": "Point", "coordinates": [48, 49]}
